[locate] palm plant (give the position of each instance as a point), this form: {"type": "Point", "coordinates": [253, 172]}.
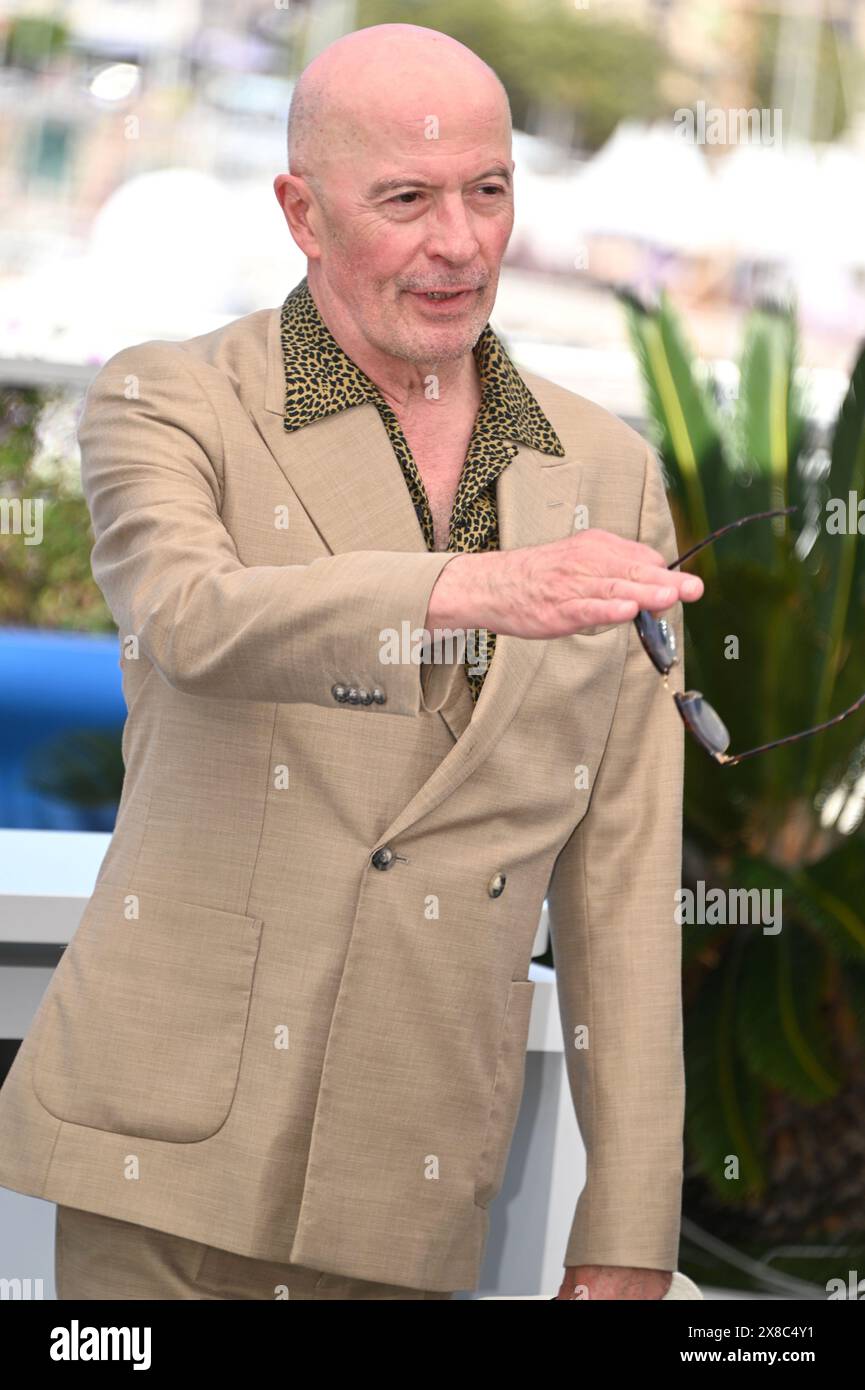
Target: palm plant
{"type": "Point", "coordinates": [774, 1023]}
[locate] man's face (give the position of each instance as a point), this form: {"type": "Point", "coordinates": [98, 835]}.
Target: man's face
{"type": "Point", "coordinates": [418, 208]}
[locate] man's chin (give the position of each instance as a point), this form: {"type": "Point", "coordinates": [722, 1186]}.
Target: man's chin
{"type": "Point", "coordinates": [440, 343]}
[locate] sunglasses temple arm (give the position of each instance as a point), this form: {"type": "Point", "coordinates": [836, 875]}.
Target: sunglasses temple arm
{"type": "Point", "coordinates": [793, 738]}
{"type": "Point", "coordinates": [757, 516]}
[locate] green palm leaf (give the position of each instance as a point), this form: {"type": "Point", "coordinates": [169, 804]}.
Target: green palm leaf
{"type": "Point", "coordinates": [687, 431]}
{"type": "Point", "coordinates": [781, 1032]}
{"type": "Point", "coordinates": [723, 1102]}
{"type": "Point", "coordinates": [769, 427]}
{"type": "Point", "coordinates": [830, 896]}
{"type": "Point", "coordinates": [854, 991]}
{"type": "Point", "coordinates": [841, 596]}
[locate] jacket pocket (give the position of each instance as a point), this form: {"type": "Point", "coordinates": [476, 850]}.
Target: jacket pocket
{"type": "Point", "coordinates": [141, 1030]}
{"type": "Point", "coordinates": [507, 1092]}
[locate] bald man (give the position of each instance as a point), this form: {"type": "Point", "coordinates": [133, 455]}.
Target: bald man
{"type": "Point", "coordinates": [192, 1155]}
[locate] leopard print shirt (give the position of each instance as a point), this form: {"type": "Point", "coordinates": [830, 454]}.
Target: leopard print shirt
{"type": "Point", "coordinates": [321, 380]}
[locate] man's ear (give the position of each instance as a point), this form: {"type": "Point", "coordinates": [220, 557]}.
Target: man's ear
{"type": "Point", "coordinates": [297, 201]}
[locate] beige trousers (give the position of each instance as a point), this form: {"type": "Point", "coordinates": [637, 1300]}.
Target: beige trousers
{"type": "Point", "coordinates": [98, 1257]}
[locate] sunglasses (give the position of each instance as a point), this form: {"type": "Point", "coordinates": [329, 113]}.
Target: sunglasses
{"type": "Point", "coordinates": [659, 640]}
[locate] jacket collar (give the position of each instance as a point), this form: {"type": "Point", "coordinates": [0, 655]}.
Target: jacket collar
{"type": "Point", "coordinates": [321, 380]}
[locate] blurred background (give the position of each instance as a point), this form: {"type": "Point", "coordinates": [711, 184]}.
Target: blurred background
{"type": "Point", "coordinates": [688, 251]}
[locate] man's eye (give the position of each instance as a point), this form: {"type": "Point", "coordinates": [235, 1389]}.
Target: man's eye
{"type": "Point", "coordinates": [410, 196]}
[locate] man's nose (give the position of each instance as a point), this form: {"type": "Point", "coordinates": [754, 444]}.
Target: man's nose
{"type": "Point", "coordinates": [451, 234]}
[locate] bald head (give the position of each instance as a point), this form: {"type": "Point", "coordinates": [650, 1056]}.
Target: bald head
{"type": "Point", "coordinates": [363, 81]}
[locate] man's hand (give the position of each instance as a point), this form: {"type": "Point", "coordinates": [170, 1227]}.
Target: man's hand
{"type": "Point", "coordinates": [613, 1281]}
{"type": "Point", "coordinates": [561, 587]}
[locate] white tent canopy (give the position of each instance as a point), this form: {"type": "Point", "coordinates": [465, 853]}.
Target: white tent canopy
{"type": "Point", "coordinates": [783, 203]}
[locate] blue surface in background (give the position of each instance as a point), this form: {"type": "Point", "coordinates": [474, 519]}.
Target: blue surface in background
{"type": "Point", "coordinates": [51, 682]}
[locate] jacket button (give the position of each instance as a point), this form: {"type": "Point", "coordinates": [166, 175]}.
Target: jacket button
{"type": "Point", "coordinates": [383, 858]}
{"type": "Point", "coordinates": [365, 697]}
{"type": "Point", "coordinates": [497, 885]}
{"type": "Point", "coordinates": [339, 693]}
{"type": "Point", "coordinates": [378, 695]}
{"type": "Point", "coordinates": [353, 696]}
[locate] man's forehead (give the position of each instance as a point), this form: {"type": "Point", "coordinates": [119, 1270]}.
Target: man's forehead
{"type": "Point", "coordinates": [375, 145]}
{"type": "Point", "coordinates": [434, 149]}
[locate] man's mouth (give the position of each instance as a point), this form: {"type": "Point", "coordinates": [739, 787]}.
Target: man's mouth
{"type": "Point", "coordinates": [443, 296]}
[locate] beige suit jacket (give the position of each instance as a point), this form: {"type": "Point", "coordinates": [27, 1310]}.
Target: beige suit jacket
{"type": "Point", "coordinates": [262, 1037]}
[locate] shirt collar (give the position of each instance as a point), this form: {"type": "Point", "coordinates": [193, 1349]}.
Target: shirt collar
{"type": "Point", "coordinates": [322, 380]}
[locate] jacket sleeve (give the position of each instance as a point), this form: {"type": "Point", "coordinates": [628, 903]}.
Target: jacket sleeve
{"type": "Point", "coordinates": [617, 955]}
{"type": "Point", "coordinates": [151, 470]}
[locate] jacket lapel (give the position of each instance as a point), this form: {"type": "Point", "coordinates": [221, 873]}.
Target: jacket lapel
{"type": "Point", "coordinates": [344, 472]}
{"type": "Point", "coordinates": [342, 469]}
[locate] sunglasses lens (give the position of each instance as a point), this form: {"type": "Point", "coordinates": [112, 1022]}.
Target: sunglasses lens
{"type": "Point", "coordinates": [658, 638]}
{"type": "Point", "coordinates": [708, 726]}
